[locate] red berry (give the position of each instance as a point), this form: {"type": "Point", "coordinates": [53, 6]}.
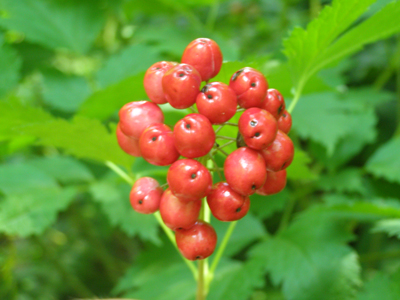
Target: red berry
{"type": "Point", "coordinates": [250, 86]}
{"type": "Point", "coordinates": [136, 116]}
{"type": "Point", "coordinates": [279, 154]}
{"type": "Point", "coordinates": [129, 145]}
{"type": "Point", "coordinates": [285, 122]}
{"type": "Point", "coordinates": [217, 101]}
{"type": "Point", "coordinates": [226, 204]}
{"type": "Point", "coordinates": [245, 170]}
{"type": "Point", "coordinates": [194, 136]}
{"type": "Point", "coordinates": [276, 182]}
{"type": "Point", "coordinates": [189, 180]}
{"type": "Point", "coordinates": [274, 103]}
{"type": "Point", "coordinates": [258, 128]}
{"type": "Point", "coordinates": [176, 213]}
{"type": "Point", "coordinates": [181, 84]}
{"type": "Point", "coordinates": [205, 56]}
{"type": "Point", "coordinates": [197, 242]}
{"type": "Point", "coordinates": [145, 195]}
{"type": "Point", "coordinates": [157, 145]}
{"type": "Point", "coordinates": [153, 81]}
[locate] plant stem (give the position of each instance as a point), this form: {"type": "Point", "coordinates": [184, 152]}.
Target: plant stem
{"type": "Point", "coordinates": [287, 214]}
{"type": "Point", "coordinates": [222, 137]}
{"type": "Point", "coordinates": [200, 295]}
{"type": "Point", "coordinates": [157, 215]}
{"type": "Point", "coordinates": [222, 247]}
{"type": "Point", "coordinates": [120, 172]}
{"type": "Point", "coordinates": [212, 16]}
{"type": "Point", "coordinates": [296, 97]}
{"type": "Point", "coordinates": [230, 124]}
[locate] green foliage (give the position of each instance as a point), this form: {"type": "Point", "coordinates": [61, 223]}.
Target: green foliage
{"type": "Point", "coordinates": [67, 229]}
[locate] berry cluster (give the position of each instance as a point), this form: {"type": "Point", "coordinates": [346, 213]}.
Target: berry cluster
{"type": "Point", "coordinates": [258, 164]}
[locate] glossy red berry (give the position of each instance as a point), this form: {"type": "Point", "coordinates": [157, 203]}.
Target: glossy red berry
{"type": "Point", "coordinates": [279, 154]}
{"type": "Point", "coordinates": [250, 87]}
{"type": "Point", "coordinates": [226, 204]}
{"type": "Point", "coordinates": [245, 170]}
{"type": "Point", "coordinates": [157, 145]}
{"type": "Point", "coordinates": [217, 101]}
{"type": "Point", "coordinates": [197, 242]}
{"type": "Point", "coordinates": [176, 213]}
{"type": "Point", "coordinates": [145, 195]}
{"type": "Point", "coordinates": [258, 128]}
{"type": "Point", "coordinates": [189, 180]}
{"type": "Point", "coordinates": [134, 117]}
{"type": "Point", "coordinates": [274, 103]}
{"type": "Point", "coordinates": [181, 85]}
{"type": "Point", "coordinates": [152, 81]}
{"type": "Point", "coordinates": [285, 122]}
{"type": "Point", "coordinates": [205, 56]}
{"type": "Point", "coordinates": [276, 182]}
{"type": "Point", "coordinates": [129, 145]}
{"type": "Point", "coordinates": [194, 136]}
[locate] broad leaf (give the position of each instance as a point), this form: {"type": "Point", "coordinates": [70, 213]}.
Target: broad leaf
{"type": "Point", "coordinates": [299, 169]}
{"type": "Point", "coordinates": [385, 162]}
{"type": "Point", "coordinates": [382, 286]}
{"type": "Point", "coordinates": [33, 212]}
{"type": "Point", "coordinates": [348, 180]}
{"type": "Point", "coordinates": [265, 206]}
{"type": "Point", "coordinates": [10, 65]}
{"type": "Point", "coordinates": [390, 226]}
{"type": "Point", "coordinates": [311, 260]}
{"type": "Point", "coordinates": [114, 200]}
{"type": "Point", "coordinates": [73, 25]}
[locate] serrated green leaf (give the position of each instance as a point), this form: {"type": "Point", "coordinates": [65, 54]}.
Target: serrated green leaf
{"type": "Point", "coordinates": [304, 47]}
{"type": "Point", "coordinates": [348, 180]}
{"type": "Point", "coordinates": [103, 103]}
{"type": "Point", "coordinates": [65, 93]}
{"type": "Point", "coordinates": [114, 200]}
{"type": "Point", "coordinates": [339, 118]}
{"type": "Point", "coordinates": [30, 213]}
{"type": "Point", "coordinates": [379, 26]}
{"type": "Point", "coordinates": [10, 66]}
{"type": "Point", "coordinates": [299, 169]}
{"type": "Point", "coordinates": [385, 162]}
{"type": "Point", "coordinates": [265, 206]}
{"type": "Point", "coordinates": [131, 61]}
{"type": "Point", "coordinates": [390, 226]}
{"type": "Point", "coordinates": [63, 168]}
{"type": "Point", "coordinates": [73, 25]}
{"type": "Point", "coordinates": [239, 282]}
{"type": "Point", "coordinates": [381, 286]}
{"type": "Point", "coordinates": [311, 259]}
{"type": "Point", "coordinates": [248, 230]}
{"type": "Point", "coordinates": [23, 178]}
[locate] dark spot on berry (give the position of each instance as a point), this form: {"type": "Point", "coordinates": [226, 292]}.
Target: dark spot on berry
{"type": "Point", "coordinates": [154, 138]}
{"type": "Point", "coordinates": [140, 201]}
{"type": "Point", "coordinates": [158, 68]}
{"type": "Point", "coordinates": [253, 84]}
{"type": "Point", "coordinates": [209, 96]}
{"type": "Point", "coordinates": [238, 209]}
{"type": "Point", "coordinates": [205, 88]}
{"type": "Point", "coordinates": [257, 134]}
{"type": "Point", "coordinates": [253, 123]}
{"type": "Point", "coordinates": [179, 228]}
{"type": "Point", "coordinates": [253, 187]}
{"type": "Point", "coordinates": [193, 175]}
{"type": "Point", "coordinates": [280, 109]}
{"type": "Point", "coordinates": [198, 257]}
{"type": "Point", "coordinates": [284, 165]}
{"type": "Point", "coordinates": [240, 140]}
{"type": "Point", "coordinates": [284, 115]}
{"type": "Point", "coordinates": [187, 125]}
{"type": "Point", "coordinates": [236, 75]}
{"type": "Point", "coordinates": [181, 74]}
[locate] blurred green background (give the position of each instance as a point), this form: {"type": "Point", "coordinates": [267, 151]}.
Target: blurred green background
{"type": "Point", "coordinates": [66, 226]}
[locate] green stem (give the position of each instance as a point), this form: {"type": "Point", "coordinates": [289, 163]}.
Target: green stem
{"type": "Point", "coordinates": [200, 295]}
{"type": "Point", "coordinates": [287, 214]}
{"type": "Point", "coordinates": [296, 98]}
{"type": "Point", "coordinates": [230, 124]}
{"type": "Point", "coordinates": [212, 16]}
{"type": "Point", "coordinates": [120, 172]}
{"type": "Point", "coordinates": [157, 215]}
{"type": "Point", "coordinates": [221, 248]}
{"type": "Point", "coordinates": [222, 137]}
{"type": "Point", "coordinates": [171, 237]}
{"type": "Point", "coordinates": [376, 256]}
